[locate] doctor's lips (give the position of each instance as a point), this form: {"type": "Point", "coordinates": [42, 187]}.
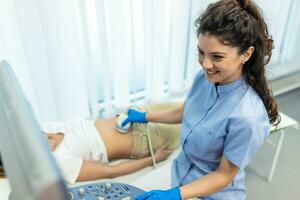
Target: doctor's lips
{"type": "Point", "coordinates": [211, 72]}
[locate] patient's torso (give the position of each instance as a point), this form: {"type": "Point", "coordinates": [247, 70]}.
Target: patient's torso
{"type": "Point", "coordinates": [118, 145]}
{"type": "Point", "coordinates": [77, 138]}
{"type": "Point", "coordinates": [75, 141]}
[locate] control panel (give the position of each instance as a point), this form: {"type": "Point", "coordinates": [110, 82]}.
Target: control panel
{"type": "Point", "coordinates": [104, 191]}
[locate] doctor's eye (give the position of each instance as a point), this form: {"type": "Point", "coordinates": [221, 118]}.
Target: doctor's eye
{"type": "Point", "coordinates": [218, 57]}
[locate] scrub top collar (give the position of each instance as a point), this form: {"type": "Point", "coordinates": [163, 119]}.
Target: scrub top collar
{"type": "Point", "coordinates": [227, 88]}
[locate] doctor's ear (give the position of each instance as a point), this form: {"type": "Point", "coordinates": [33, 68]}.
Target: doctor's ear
{"type": "Point", "coordinates": [247, 55]}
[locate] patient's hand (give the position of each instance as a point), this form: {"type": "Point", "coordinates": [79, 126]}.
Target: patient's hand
{"type": "Point", "coordinates": [162, 153]}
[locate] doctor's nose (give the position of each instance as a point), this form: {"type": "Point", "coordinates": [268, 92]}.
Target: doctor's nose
{"type": "Point", "coordinates": [206, 63]}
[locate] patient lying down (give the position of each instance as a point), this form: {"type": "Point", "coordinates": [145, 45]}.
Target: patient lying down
{"type": "Point", "coordinates": [83, 148]}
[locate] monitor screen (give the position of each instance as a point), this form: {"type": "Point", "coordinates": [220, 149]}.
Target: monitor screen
{"type": "Point", "coordinates": [25, 154]}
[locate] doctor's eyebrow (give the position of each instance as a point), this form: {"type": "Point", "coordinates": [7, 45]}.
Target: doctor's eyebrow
{"type": "Point", "coordinates": [216, 52]}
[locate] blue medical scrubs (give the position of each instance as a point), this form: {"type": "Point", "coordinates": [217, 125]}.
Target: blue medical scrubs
{"type": "Point", "coordinates": [228, 120]}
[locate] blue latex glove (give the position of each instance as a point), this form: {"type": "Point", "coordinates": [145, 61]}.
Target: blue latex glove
{"type": "Point", "coordinates": [135, 116]}
{"type": "Point", "coordinates": [171, 194]}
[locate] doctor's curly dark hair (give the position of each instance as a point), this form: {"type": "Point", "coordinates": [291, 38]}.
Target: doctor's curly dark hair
{"type": "Point", "coordinates": [240, 23]}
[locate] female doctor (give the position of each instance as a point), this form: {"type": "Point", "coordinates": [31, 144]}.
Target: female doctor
{"type": "Point", "coordinates": [229, 109]}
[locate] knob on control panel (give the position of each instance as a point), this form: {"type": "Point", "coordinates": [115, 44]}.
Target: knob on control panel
{"type": "Point", "coordinates": [81, 191]}
{"type": "Point", "coordinates": [108, 186]}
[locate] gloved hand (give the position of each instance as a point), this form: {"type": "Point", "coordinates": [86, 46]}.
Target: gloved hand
{"type": "Point", "coordinates": [171, 194]}
{"type": "Point", "coordinates": [135, 116]}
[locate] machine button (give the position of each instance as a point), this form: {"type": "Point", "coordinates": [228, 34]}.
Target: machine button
{"type": "Point", "coordinates": [108, 186]}
{"type": "Point", "coordinates": [81, 191]}
{"type": "Point", "coordinates": [126, 189]}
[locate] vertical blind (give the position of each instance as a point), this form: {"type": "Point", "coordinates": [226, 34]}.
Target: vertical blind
{"type": "Point", "coordinates": [79, 58]}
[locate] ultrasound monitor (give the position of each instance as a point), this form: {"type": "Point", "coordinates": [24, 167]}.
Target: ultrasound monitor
{"type": "Point", "coordinates": [25, 154]}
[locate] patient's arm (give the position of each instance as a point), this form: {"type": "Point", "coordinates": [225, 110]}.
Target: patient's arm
{"type": "Point", "coordinates": [169, 116]}
{"type": "Point", "coordinates": [92, 170]}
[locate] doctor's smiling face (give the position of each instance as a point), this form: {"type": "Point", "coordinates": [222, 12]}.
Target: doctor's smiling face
{"type": "Point", "coordinates": [221, 62]}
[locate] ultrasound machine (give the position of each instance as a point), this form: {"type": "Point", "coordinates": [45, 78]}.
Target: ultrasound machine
{"type": "Point", "coordinates": [27, 159]}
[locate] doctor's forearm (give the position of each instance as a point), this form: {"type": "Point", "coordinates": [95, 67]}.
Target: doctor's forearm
{"type": "Point", "coordinates": [170, 116]}
{"type": "Point", "coordinates": [206, 185]}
